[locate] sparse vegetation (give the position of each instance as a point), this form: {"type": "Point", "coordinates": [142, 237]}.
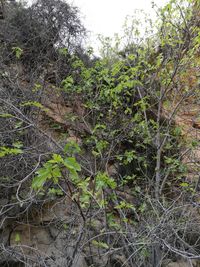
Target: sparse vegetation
{"type": "Point", "coordinates": [100, 156]}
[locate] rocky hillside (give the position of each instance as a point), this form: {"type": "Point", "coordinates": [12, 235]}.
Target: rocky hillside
{"type": "Point", "coordinates": [99, 157]}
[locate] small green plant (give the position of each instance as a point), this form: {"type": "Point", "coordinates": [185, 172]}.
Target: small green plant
{"type": "Point", "coordinates": [17, 238]}
{"type": "Point", "coordinates": [18, 51]}
{"type": "Point", "coordinates": [63, 51]}
{"type": "Point", "coordinates": [34, 104]}
{"type": "Point", "coordinates": [6, 151]}
{"type": "Point", "coordinates": [100, 244]}
{"type": "Point", "coordinates": [67, 84]}
{"type": "Point", "coordinates": [52, 169]}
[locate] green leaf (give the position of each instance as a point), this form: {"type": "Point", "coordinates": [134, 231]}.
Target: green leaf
{"type": "Point", "coordinates": [63, 51]}
{"type": "Point", "coordinates": [71, 164]}
{"type": "Point", "coordinates": [67, 83]}
{"type": "Point", "coordinates": [56, 159]}
{"type": "Point", "coordinates": [17, 238]}
{"type": "Point", "coordinates": [6, 115]}
{"type": "Point", "coordinates": [177, 131]}
{"type": "Point", "coordinates": [34, 104]}
{"type": "Point", "coordinates": [72, 148]}
{"type": "Point", "coordinates": [38, 182]}
{"type": "Point", "coordinates": [17, 144]}
{"type": "Point", "coordinates": [100, 244]}
{"type": "Point", "coordinates": [43, 174]}
{"type": "Point", "coordinates": [103, 180]}
{"type": "Point", "coordinates": [55, 191]}
{"type": "Point", "coordinates": [184, 184]}
{"type": "Point", "coordinates": [124, 205]}
{"type": "Point", "coordinates": [5, 151]}
{"type": "Point", "coordinates": [18, 51]}
{"type": "Point", "coordinates": [56, 174]}
{"type": "Point", "coordinates": [74, 176]}
{"type": "Point", "coordinates": [36, 87]}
